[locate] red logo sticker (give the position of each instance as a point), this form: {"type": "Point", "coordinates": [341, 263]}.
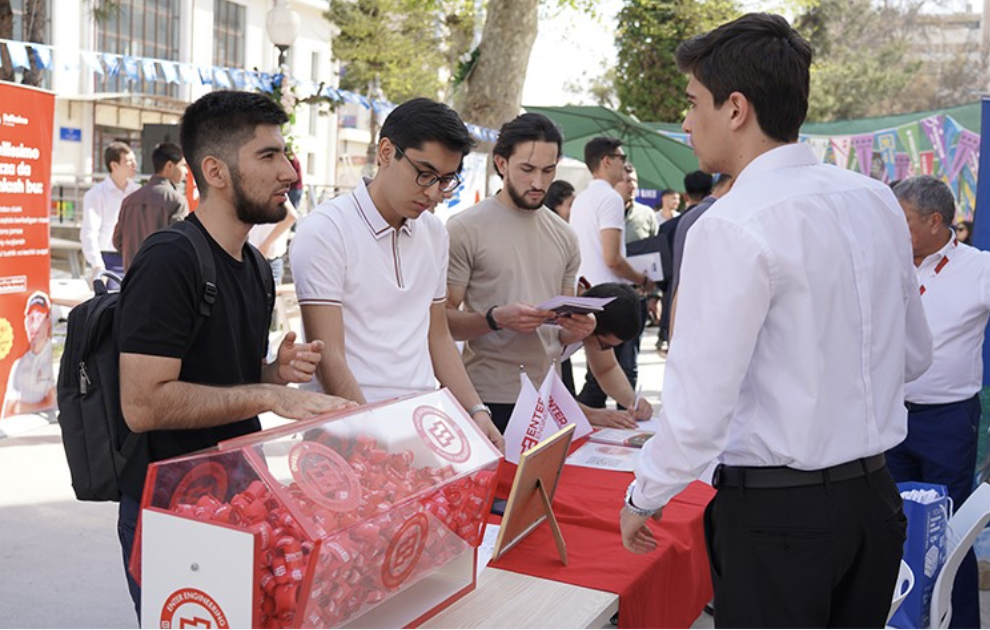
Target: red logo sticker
{"type": "Point", "coordinates": [404, 551]}
{"type": "Point", "coordinates": [192, 608]}
{"type": "Point", "coordinates": [325, 476]}
{"type": "Point", "coordinates": [441, 434]}
{"type": "Point", "coordinates": [208, 478]}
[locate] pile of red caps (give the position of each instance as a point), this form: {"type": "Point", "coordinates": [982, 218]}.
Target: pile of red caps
{"type": "Point", "coordinates": [284, 547]}
{"type": "Point", "coordinates": [397, 530]}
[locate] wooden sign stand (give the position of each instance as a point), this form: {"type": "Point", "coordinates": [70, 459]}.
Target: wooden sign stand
{"type": "Point", "coordinates": [533, 487]}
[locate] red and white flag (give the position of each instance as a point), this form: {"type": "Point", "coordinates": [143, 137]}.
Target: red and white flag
{"type": "Point", "coordinates": [539, 414]}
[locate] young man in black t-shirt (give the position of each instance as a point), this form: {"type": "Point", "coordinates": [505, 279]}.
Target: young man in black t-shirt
{"type": "Point", "coordinates": [181, 393]}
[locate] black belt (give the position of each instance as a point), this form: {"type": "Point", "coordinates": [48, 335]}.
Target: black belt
{"type": "Point", "coordinates": [784, 477]}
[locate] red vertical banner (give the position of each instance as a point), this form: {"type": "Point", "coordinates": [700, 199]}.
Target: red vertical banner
{"type": "Point", "coordinates": [27, 117]}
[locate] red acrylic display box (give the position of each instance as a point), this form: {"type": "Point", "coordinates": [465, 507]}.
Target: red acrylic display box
{"type": "Point", "coordinates": [368, 517]}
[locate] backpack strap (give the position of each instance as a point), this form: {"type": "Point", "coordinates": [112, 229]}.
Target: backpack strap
{"type": "Point", "coordinates": [260, 267]}
{"type": "Point", "coordinates": [207, 271]}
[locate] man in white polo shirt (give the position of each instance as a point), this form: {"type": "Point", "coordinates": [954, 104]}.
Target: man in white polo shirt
{"type": "Point", "coordinates": [944, 404]}
{"type": "Point", "coordinates": [370, 269]}
{"type": "Point", "coordinates": [598, 215]}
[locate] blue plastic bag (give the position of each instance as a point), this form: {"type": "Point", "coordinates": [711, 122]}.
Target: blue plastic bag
{"type": "Point", "coordinates": [925, 551]}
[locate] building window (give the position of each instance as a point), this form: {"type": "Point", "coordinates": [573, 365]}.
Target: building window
{"type": "Point", "coordinates": [314, 111]}
{"type": "Point", "coordinates": [142, 29]}
{"type": "Point", "coordinates": [23, 31]}
{"type": "Point", "coordinates": [229, 24]}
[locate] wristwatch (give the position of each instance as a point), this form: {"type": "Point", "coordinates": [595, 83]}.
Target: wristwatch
{"type": "Point", "coordinates": [490, 318]}
{"type": "Point", "coordinates": [480, 407]}
{"type": "Point", "coordinates": [638, 511]}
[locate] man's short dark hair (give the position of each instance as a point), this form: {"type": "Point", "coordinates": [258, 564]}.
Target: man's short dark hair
{"type": "Point", "coordinates": [163, 154]}
{"type": "Point", "coordinates": [220, 123]}
{"type": "Point", "coordinates": [598, 149]}
{"type": "Point", "coordinates": [927, 195]}
{"type": "Point", "coordinates": [115, 152]}
{"type": "Point", "coordinates": [621, 317]}
{"type": "Point", "coordinates": [698, 184]}
{"type": "Point", "coordinates": [762, 57]}
{"type": "Point", "coordinates": [526, 128]}
{"type": "Point", "coordinates": [557, 192]}
{"type": "Point", "coordinates": [421, 120]}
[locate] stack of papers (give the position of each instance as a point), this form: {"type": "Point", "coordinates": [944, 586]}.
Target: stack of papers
{"type": "Point", "coordinates": [605, 457]}
{"type": "Point", "coordinates": [564, 305]}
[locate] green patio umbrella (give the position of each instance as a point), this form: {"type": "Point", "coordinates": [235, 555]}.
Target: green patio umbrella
{"type": "Point", "coordinates": [661, 162]}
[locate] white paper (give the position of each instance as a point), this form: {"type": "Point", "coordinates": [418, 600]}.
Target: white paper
{"type": "Point", "coordinates": [605, 457]}
{"type": "Point", "coordinates": [487, 547]}
{"type": "Point", "coordinates": [633, 438]}
{"type": "Point", "coordinates": [649, 264]}
{"type": "Point", "coordinates": [569, 304]}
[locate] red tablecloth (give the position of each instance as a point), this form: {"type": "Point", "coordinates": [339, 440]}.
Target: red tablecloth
{"type": "Point", "coordinates": [667, 588]}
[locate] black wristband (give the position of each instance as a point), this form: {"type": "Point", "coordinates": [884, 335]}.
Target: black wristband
{"type": "Point", "coordinates": [490, 318]}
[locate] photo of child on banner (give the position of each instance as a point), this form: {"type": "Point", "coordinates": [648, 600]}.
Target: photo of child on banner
{"type": "Point", "coordinates": [539, 414]}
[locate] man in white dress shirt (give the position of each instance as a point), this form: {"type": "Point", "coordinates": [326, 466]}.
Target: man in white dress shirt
{"type": "Point", "coordinates": [799, 321]}
{"type": "Point", "coordinates": [944, 404]}
{"type": "Point", "coordinates": [101, 207]}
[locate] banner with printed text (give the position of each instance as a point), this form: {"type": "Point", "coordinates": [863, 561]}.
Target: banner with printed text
{"type": "Point", "coordinates": [27, 383]}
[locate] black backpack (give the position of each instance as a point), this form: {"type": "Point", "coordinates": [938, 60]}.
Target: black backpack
{"type": "Point", "coordinates": [95, 436]}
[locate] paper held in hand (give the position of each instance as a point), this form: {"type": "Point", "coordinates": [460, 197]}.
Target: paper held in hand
{"type": "Point", "coordinates": [567, 305]}
{"type": "Point", "coordinates": [649, 264]}
{"type": "Point", "coordinates": [539, 414]}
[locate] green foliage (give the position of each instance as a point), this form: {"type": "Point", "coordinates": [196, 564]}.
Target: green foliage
{"type": "Point", "coordinates": [861, 56]}
{"type": "Point", "coordinates": [648, 84]}
{"type": "Point", "coordinates": [399, 43]}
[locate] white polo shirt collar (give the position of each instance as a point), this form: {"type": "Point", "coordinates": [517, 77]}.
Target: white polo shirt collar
{"type": "Point", "coordinates": [372, 217]}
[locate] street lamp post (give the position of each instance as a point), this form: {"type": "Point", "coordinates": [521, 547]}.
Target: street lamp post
{"type": "Point", "coordinates": [283, 27]}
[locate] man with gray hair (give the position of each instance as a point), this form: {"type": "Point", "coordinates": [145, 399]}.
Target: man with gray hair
{"type": "Point", "coordinates": [944, 404]}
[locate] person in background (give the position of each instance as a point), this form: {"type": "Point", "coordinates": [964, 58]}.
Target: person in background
{"type": "Point", "coordinates": [370, 269]}
{"type": "Point", "coordinates": [799, 321]}
{"type": "Point", "coordinates": [598, 218]}
{"type": "Point", "coordinates": [296, 192]}
{"type": "Point", "coordinates": [641, 221]}
{"type": "Point", "coordinates": [101, 207]}
{"type": "Point", "coordinates": [944, 404]}
{"type": "Point", "coordinates": [964, 232]}
{"type": "Point", "coordinates": [155, 205]}
{"type": "Point", "coordinates": [272, 240]}
{"type": "Point", "coordinates": [666, 210]}
{"type": "Point", "coordinates": [560, 196]}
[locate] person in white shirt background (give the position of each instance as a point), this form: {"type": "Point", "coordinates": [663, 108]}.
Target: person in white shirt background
{"type": "Point", "coordinates": [598, 216]}
{"type": "Point", "coordinates": [944, 404]}
{"type": "Point", "coordinates": [101, 207]}
{"type": "Point", "coordinates": [799, 320]}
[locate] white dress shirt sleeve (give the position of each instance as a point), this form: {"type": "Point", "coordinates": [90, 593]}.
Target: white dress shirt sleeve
{"type": "Point", "coordinates": [918, 348]}
{"type": "Point", "coordinates": [727, 287]}
{"type": "Point", "coordinates": [92, 220]}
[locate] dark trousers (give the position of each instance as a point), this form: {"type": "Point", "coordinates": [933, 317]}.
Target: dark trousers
{"type": "Point", "coordinates": [127, 517]}
{"type": "Point", "coordinates": [501, 412]}
{"type": "Point", "coordinates": [627, 354]}
{"type": "Point", "coordinates": [823, 556]}
{"type": "Point", "coordinates": [941, 448]}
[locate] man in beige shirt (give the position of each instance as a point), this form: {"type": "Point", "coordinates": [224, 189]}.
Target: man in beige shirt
{"type": "Point", "coordinates": [508, 254]}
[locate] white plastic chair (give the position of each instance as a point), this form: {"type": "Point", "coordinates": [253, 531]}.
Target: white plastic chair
{"type": "Point", "coordinates": [905, 582]}
{"type": "Point", "coordinates": [964, 527]}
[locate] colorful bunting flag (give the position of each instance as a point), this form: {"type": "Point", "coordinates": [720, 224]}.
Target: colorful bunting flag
{"type": "Point", "coordinates": [863, 145]}
{"type": "Point", "coordinates": [841, 146]}
{"type": "Point", "coordinates": [969, 143]}
{"type": "Point", "coordinates": [887, 143]}
{"type": "Point", "coordinates": [909, 135]}
{"type": "Point", "coordinates": [18, 55]}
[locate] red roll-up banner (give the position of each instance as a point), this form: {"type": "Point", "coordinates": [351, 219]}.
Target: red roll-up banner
{"type": "Point", "coordinates": [27, 384]}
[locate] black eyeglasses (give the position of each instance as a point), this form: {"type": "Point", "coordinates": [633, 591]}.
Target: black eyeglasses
{"type": "Point", "coordinates": [622, 156]}
{"type": "Point", "coordinates": [448, 183]}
